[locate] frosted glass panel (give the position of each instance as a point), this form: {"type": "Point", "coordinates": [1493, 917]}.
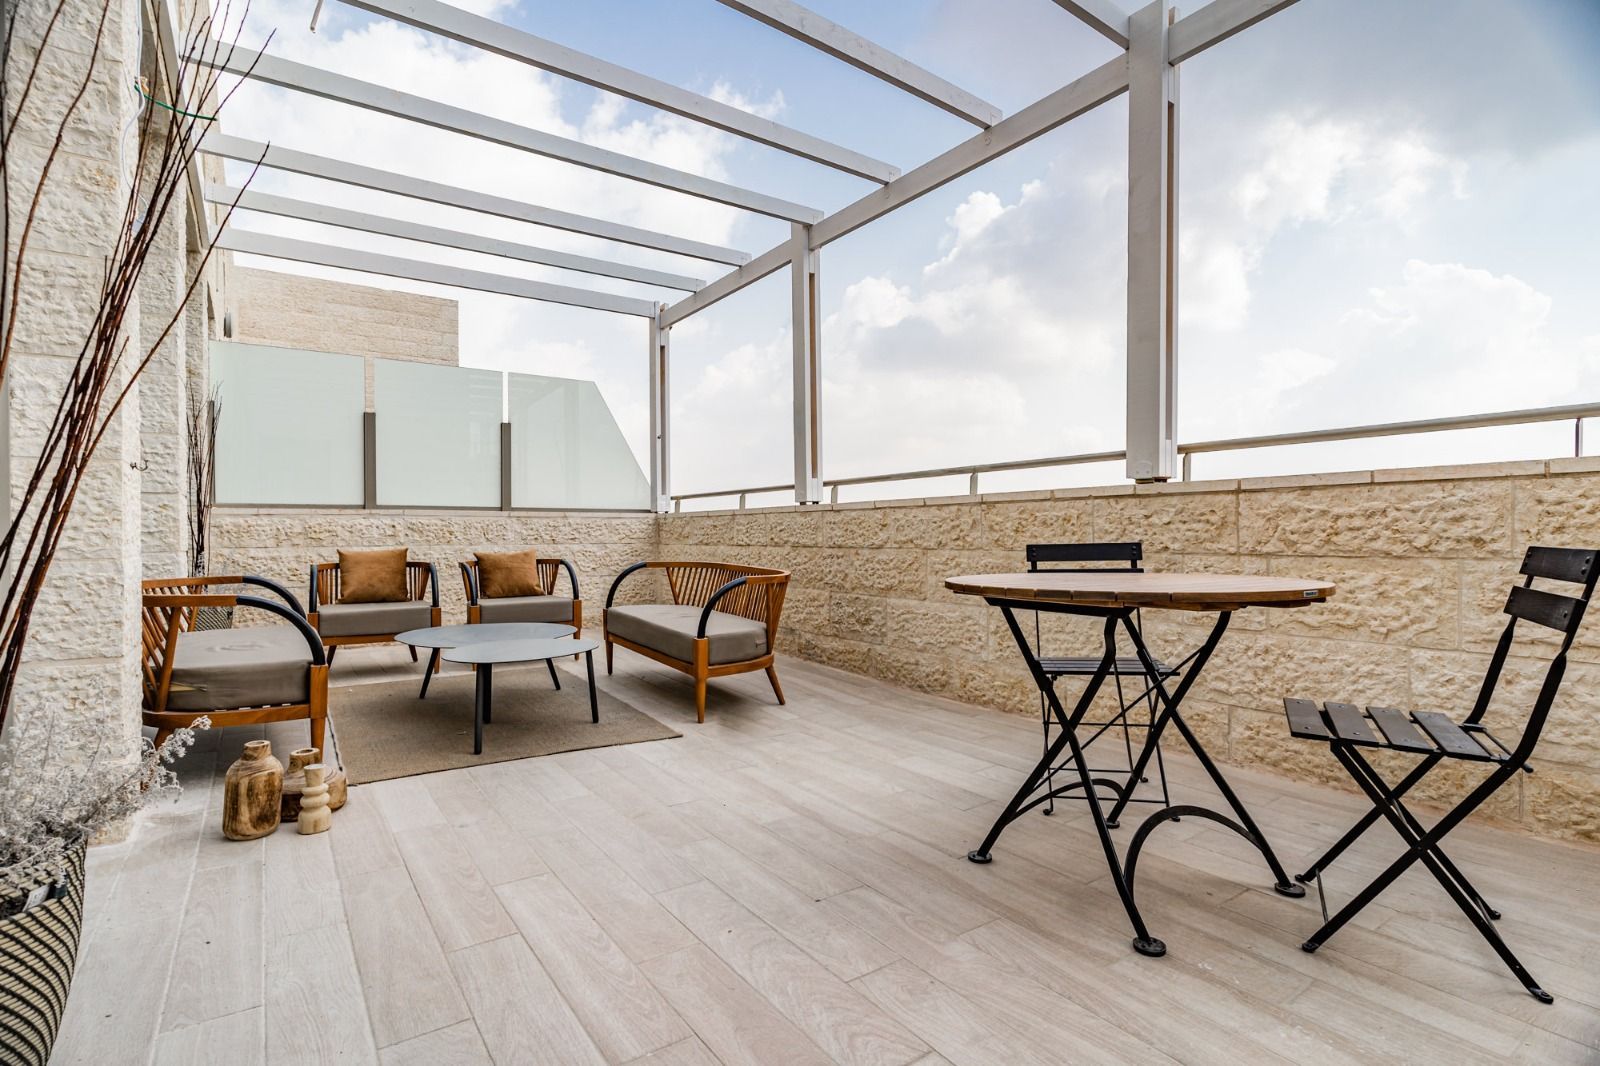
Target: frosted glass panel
{"type": "Point", "coordinates": [289, 425]}
{"type": "Point", "coordinates": [567, 450]}
{"type": "Point", "coordinates": [438, 434]}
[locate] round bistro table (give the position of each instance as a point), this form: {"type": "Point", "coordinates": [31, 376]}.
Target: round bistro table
{"type": "Point", "coordinates": [441, 637]}
{"type": "Point", "coordinates": [486, 655]}
{"type": "Point", "coordinates": [1114, 596]}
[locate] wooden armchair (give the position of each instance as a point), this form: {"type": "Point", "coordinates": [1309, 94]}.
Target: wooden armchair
{"type": "Point", "coordinates": [723, 620]}
{"type": "Point", "coordinates": [567, 610]}
{"type": "Point", "coordinates": [371, 623]}
{"type": "Point", "coordinates": [232, 676]}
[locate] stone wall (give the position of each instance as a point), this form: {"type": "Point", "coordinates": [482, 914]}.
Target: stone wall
{"type": "Point", "coordinates": [281, 543]}
{"type": "Point", "coordinates": [77, 696]}
{"type": "Point", "coordinates": [1422, 559]}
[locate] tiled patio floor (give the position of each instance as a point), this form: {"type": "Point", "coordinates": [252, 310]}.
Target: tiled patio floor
{"type": "Point", "coordinates": [787, 885]}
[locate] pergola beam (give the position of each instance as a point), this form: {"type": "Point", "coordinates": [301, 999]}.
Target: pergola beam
{"type": "Point", "coordinates": [1105, 82]}
{"type": "Point", "coordinates": [1102, 16]}
{"type": "Point", "coordinates": [1215, 23]}
{"type": "Point", "coordinates": [511, 43]}
{"type": "Point", "coordinates": [328, 215]}
{"type": "Point", "coordinates": [768, 262]}
{"type": "Point", "coordinates": [314, 81]}
{"type": "Point", "coordinates": [827, 36]}
{"type": "Point", "coordinates": [227, 146]}
{"type": "Point", "coordinates": [297, 251]}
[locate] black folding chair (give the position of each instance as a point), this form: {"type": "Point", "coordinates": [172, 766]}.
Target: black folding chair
{"type": "Point", "coordinates": [1130, 553]}
{"type": "Point", "coordinates": [1435, 737]}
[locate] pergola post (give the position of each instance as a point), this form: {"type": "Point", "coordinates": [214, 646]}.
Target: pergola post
{"type": "Point", "coordinates": [804, 262]}
{"type": "Point", "coordinates": [1152, 246]}
{"type": "Point", "coordinates": [660, 409]}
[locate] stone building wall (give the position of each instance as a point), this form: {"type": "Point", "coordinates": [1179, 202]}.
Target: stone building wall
{"type": "Point", "coordinates": [1422, 559]}
{"type": "Point", "coordinates": [281, 543]}
{"type": "Point", "coordinates": [76, 700]}
{"type": "Point", "coordinates": [293, 311]}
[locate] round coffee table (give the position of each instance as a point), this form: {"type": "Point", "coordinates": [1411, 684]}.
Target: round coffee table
{"type": "Point", "coordinates": [485, 655]}
{"type": "Point", "coordinates": [440, 637]}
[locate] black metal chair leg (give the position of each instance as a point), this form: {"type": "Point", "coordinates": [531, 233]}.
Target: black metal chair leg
{"type": "Point", "coordinates": [1367, 821]}
{"type": "Point", "coordinates": [551, 663]}
{"type": "Point", "coordinates": [1427, 851]}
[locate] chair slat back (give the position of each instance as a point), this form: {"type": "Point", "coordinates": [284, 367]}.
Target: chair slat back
{"type": "Point", "coordinates": [693, 584]}
{"type": "Point", "coordinates": [1128, 552]}
{"type": "Point", "coordinates": [326, 583]}
{"type": "Point", "coordinates": [1549, 609]}
{"type": "Point", "coordinates": [1575, 565]}
{"type": "Point", "coordinates": [549, 571]}
{"type": "Point", "coordinates": [1552, 610]}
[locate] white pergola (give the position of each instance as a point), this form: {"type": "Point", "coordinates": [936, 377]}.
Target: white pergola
{"type": "Point", "coordinates": [1154, 41]}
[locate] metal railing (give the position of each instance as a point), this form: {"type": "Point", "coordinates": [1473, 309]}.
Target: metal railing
{"type": "Point", "coordinates": [1575, 413]}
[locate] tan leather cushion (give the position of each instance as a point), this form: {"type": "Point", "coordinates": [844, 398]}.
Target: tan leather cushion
{"type": "Point", "coordinates": [670, 629]}
{"type": "Point", "coordinates": [502, 574]}
{"type": "Point", "coordinates": [220, 669]}
{"type": "Point", "coordinates": [373, 576]}
{"type": "Point", "coordinates": [526, 609]}
{"type": "Point", "coordinates": [372, 619]}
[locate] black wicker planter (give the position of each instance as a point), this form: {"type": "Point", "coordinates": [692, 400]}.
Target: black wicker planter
{"type": "Point", "coordinates": [38, 950]}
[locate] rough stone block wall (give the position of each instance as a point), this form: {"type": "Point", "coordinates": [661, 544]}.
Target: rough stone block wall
{"type": "Point", "coordinates": [1423, 559]}
{"type": "Point", "coordinates": [76, 700]}
{"type": "Point", "coordinates": [281, 543]}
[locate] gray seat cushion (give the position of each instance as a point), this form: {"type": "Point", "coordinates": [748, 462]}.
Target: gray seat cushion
{"type": "Point", "coordinates": [525, 609]}
{"type": "Point", "coordinates": [670, 629]}
{"type": "Point", "coordinates": [372, 619]}
{"type": "Point", "coordinates": [219, 669]}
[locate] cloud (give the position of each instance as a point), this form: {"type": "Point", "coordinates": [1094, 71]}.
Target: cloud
{"type": "Point", "coordinates": [1325, 171]}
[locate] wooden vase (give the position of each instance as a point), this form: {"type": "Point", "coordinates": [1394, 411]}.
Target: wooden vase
{"type": "Point", "coordinates": [294, 783]}
{"type": "Point", "coordinates": [252, 793]}
{"type": "Point", "coordinates": [315, 817]}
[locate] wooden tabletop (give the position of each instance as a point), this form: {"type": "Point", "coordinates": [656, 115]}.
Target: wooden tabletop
{"type": "Point", "coordinates": [1185, 592]}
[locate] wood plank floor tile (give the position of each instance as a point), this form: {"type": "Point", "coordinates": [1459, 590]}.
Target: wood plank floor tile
{"type": "Point", "coordinates": [519, 1011]}
{"type": "Point", "coordinates": [408, 987]}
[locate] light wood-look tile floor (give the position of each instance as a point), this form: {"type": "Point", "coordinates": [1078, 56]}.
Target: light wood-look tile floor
{"type": "Point", "coordinates": [787, 885]}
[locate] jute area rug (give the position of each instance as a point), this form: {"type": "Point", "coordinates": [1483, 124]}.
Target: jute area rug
{"type": "Point", "coordinates": [382, 730]}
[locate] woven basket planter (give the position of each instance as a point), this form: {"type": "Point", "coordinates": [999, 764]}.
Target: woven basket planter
{"type": "Point", "coordinates": [38, 950]}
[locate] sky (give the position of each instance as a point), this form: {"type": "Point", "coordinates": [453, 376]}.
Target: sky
{"type": "Point", "coordinates": [1386, 212]}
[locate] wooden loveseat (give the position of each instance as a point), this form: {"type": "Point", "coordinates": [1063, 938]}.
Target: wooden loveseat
{"type": "Point", "coordinates": [723, 619]}
{"type": "Point", "coordinates": [239, 676]}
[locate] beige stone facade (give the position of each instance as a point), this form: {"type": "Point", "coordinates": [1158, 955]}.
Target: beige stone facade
{"type": "Point", "coordinates": [281, 543]}
{"type": "Point", "coordinates": [294, 311]}
{"type": "Point", "coordinates": [1423, 559]}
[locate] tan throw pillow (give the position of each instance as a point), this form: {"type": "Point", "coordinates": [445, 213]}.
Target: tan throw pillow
{"type": "Point", "coordinates": [373, 576]}
{"type": "Point", "coordinates": [503, 574]}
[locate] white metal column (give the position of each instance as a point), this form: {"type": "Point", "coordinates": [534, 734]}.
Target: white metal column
{"type": "Point", "coordinates": [803, 269]}
{"type": "Point", "coordinates": [1152, 246]}
{"type": "Point", "coordinates": [660, 413]}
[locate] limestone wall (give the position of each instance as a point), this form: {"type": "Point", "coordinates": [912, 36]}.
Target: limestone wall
{"type": "Point", "coordinates": [294, 311]}
{"type": "Point", "coordinates": [1422, 559]}
{"type": "Point", "coordinates": [281, 543]}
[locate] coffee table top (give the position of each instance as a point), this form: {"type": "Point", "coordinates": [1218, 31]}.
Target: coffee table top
{"type": "Point", "coordinates": [483, 633]}
{"type": "Point", "coordinates": [518, 651]}
{"type": "Point", "coordinates": [1191, 592]}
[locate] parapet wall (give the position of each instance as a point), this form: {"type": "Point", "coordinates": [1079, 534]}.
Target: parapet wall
{"type": "Point", "coordinates": [1422, 558]}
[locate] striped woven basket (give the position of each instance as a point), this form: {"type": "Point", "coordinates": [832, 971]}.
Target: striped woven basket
{"type": "Point", "coordinates": [38, 950]}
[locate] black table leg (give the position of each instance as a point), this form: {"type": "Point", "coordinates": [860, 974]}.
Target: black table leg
{"type": "Point", "coordinates": [433, 664]}
{"type": "Point", "coordinates": [488, 692]}
{"type": "Point", "coordinates": [551, 663]}
{"type": "Point", "coordinates": [594, 703]}
{"type": "Point", "coordinates": [1246, 825]}
{"type": "Point", "coordinates": [1143, 942]}
{"type": "Point", "coordinates": [480, 708]}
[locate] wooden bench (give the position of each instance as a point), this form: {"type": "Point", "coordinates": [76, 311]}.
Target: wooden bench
{"type": "Point", "coordinates": [723, 619]}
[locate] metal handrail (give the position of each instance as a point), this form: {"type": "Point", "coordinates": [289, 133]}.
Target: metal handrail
{"type": "Point", "coordinates": [1576, 412]}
